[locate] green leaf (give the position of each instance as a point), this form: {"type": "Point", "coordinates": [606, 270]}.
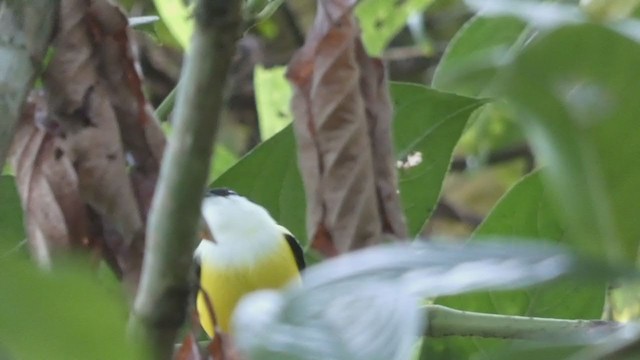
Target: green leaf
{"type": "Point", "coordinates": [427, 126]}
{"type": "Point", "coordinates": [273, 93]}
{"type": "Point", "coordinates": [176, 15]}
{"type": "Point", "coordinates": [476, 49]}
{"type": "Point", "coordinates": [575, 91]}
{"type": "Point", "coordinates": [165, 37]}
{"type": "Point", "coordinates": [491, 129]}
{"type": "Point", "coordinates": [381, 20]}
{"type": "Point", "coordinates": [60, 315]}
{"type": "Point", "coordinates": [269, 176]}
{"type": "Point", "coordinates": [427, 122]}
{"type": "Point", "coordinates": [11, 224]}
{"type": "Point", "coordinates": [525, 211]}
{"type": "Point", "coordinates": [223, 160]}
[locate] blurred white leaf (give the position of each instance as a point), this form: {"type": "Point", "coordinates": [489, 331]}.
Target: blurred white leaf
{"type": "Point", "coordinates": [541, 15]}
{"type": "Point", "coordinates": [365, 305]}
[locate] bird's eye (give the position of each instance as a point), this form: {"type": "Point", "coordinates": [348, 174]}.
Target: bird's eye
{"type": "Point", "coordinates": [224, 192]}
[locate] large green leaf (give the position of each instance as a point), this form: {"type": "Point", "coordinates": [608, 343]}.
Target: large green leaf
{"type": "Point", "coordinates": [60, 315]}
{"type": "Point", "coordinates": [381, 20]}
{"type": "Point", "coordinates": [468, 67]}
{"type": "Point", "coordinates": [269, 176]}
{"type": "Point", "coordinates": [478, 47]}
{"type": "Point", "coordinates": [525, 211]}
{"type": "Point", "coordinates": [427, 122]}
{"type": "Point", "coordinates": [427, 126]}
{"type": "Point", "coordinates": [11, 225]}
{"type": "Point", "coordinates": [575, 90]}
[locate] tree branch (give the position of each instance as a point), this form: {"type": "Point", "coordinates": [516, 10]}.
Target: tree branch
{"type": "Point", "coordinates": [27, 27]}
{"type": "Point", "coordinates": [160, 305]}
{"type": "Point", "coordinates": [443, 321]}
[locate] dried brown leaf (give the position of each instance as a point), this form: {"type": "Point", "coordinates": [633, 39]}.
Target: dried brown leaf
{"type": "Point", "coordinates": [55, 214]}
{"type": "Point", "coordinates": [342, 123]}
{"type": "Point", "coordinates": [142, 136]}
{"type": "Point", "coordinates": [379, 110]}
{"type": "Point", "coordinates": [118, 68]}
{"type": "Point", "coordinates": [221, 348]}
{"type": "Point", "coordinates": [86, 119]}
{"type": "Point", "coordinates": [189, 349]}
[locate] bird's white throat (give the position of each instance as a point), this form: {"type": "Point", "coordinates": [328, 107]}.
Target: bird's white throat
{"type": "Point", "coordinates": [244, 232]}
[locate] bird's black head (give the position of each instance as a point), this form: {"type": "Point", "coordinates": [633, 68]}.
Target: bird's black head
{"type": "Point", "coordinates": [223, 192]}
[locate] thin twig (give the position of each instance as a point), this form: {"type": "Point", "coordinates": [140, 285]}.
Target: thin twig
{"type": "Point", "coordinates": [166, 106]}
{"type": "Point", "coordinates": [160, 305]}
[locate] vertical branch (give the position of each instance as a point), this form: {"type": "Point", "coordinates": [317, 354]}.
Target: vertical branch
{"type": "Point", "coordinates": [26, 28]}
{"type": "Point", "coordinates": [160, 305]}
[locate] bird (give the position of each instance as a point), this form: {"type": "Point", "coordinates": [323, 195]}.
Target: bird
{"type": "Point", "coordinates": [246, 251]}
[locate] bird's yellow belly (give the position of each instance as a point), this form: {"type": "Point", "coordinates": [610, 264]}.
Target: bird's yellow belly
{"type": "Point", "coordinates": [225, 286]}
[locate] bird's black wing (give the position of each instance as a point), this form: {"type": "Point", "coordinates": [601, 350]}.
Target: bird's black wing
{"type": "Point", "coordinates": [296, 249]}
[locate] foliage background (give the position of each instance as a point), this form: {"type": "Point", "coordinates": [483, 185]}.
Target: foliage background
{"type": "Point", "coordinates": [522, 120]}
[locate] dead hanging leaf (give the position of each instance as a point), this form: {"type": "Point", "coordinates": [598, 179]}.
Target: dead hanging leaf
{"type": "Point", "coordinates": [83, 111]}
{"type": "Point", "coordinates": [379, 110]}
{"type": "Point", "coordinates": [88, 78]}
{"type": "Point", "coordinates": [55, 214]}
{"type": "Point", "coordinates": [101, 123]}
{"type": "Point", "coordinates": [221, 347]}
{"type": "Point", "coordinates": [142, 136]}
{"type": "Point", "coordinates": [189, 349]}
{"type": "Point", "coordinates": [342, 123]}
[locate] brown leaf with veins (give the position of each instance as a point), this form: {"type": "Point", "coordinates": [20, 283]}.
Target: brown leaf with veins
{"type": "Point", "coordinates": [55, 214]}
{"type": "Point", "coordinates": [342, 123]}
{"type": "Point", "coordinates": [105, 125]}
{"type": "Point", "coordinates": [142, 136]}
{"type": "Point", "coordinates": [379, 110]}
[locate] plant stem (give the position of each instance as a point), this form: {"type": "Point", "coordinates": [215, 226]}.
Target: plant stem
{"type": "Point", "coordinates": [443, 321]}
{"type": "Point", "coordinates": [27, 27]}
{"type": "Point", "coordinates": [166, 106]}
{"type": "Point", "coordinates": [161, 302]}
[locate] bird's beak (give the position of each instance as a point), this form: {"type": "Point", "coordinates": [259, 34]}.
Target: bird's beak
{"type": "Point", "coordinates": [205, 232]}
